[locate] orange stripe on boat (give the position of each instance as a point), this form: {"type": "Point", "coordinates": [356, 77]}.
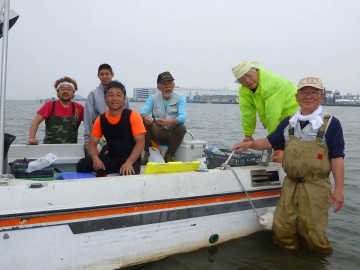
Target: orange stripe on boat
{"type": "Point", "coordinates": [130, 209]}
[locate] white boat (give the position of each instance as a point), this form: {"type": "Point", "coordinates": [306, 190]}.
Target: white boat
{"type": "Point", "coordinates": [119, 221]}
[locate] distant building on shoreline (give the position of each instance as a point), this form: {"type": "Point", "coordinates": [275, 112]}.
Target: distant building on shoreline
{"type": "Point", "coordinates": [44, 100]}
{"type": "Point", "coordinates": [335, 98]}
{"type": "Point", "coordinates": [229, 96]}
{"type": "Point", "coordinates": [142, 94]}
{"type": "Point", "coordinates": [193, 94]}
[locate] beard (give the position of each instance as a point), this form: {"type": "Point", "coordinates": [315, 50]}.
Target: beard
{"type": "Point", "coordinates": [167, 94]}
{"type": "Point", "coordinates": [65, 97]}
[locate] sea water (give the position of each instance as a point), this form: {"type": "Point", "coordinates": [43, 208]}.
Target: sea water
{"type": "Point", "coordinates": [220, 125]}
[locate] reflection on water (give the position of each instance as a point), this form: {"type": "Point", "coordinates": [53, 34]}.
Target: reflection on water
{"type": "Point", "coordinates": [253, 252]}
{"type": "Point", "coordinates": [220, 125]}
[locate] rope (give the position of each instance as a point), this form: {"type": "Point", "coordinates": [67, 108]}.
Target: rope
{"type": "Point", "coordinates": [247, 194]}
{"type": "Point", "coordinates": [228, 159]}
{"type": "Point", "coordinates": [225, 166]}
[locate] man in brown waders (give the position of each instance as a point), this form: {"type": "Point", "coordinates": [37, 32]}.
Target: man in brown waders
{"type": "Point", "coordinates": [314, 147]}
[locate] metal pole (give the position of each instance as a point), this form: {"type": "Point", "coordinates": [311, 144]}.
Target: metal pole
{"type": "Point", "coordinates": [6, 11]}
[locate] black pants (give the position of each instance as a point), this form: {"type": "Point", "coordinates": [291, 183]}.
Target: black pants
{"type": "Point", "coordinates": [112, 164]}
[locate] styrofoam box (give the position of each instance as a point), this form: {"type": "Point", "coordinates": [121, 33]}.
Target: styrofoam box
{"type": "Point", "coordinates": [190, 150]}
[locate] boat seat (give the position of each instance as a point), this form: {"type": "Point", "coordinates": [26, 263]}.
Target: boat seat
{"type": "Point", "coordinates": [66, 153]}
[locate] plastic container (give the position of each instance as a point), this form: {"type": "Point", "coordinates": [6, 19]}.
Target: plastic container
{"type": "Point", "coordinates": [215, 150]}
{"type": "Point", "coordinates": [74, 175]}
{"type": "Point", "coordinates": [190, 150]}
{"type": "Point", "coordinates": [155, 155]}
{"type": "Point", "coordinates": [170, 167]}
{"type": "Point", "coordinates": [161, 147]}
{"type": "Point", "coordinates": [216, 159]}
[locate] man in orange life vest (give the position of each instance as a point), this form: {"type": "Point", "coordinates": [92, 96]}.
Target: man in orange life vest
{"type": "Point", "coordinates": [124, 132]}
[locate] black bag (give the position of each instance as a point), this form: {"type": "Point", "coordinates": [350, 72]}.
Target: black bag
{"type": "Point", "coordinates": [19, 167]}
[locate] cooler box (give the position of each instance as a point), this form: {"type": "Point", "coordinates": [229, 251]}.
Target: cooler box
{"type": "Point", "coordinates": [190, 150]}
{"type": "Point", "coordinates": [19, 167]}
{"type": "Point", "coordinates": [247, 158]}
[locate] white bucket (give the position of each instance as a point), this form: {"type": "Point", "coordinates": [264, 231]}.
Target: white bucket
{"type": "Point", "coordinates": [155, 155]}
{"type": "Point", "coordinates": [163, 149]}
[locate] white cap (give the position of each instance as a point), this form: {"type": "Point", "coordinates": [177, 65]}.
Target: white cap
{"type": "Point", "coordinates": [243, 67]}
{"type": "Point", "coordinates": [310, 81]}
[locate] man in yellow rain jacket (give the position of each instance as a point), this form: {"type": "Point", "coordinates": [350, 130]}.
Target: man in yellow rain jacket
{"type": "Point", "coordinates": [266, 93]}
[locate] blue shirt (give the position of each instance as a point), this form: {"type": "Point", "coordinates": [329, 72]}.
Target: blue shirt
{"type": "Point", "coordinates": [334, 137]}
{"type": "Point", "coordinates": [149, 105]}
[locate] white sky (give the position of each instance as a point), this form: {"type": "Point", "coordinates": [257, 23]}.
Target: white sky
{"type": "Point", "coordinates": [198, 41]}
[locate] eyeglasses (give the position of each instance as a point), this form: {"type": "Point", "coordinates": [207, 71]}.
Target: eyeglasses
{"type": "Point", "coordinates": [314, 93]}
{"type": "Point", "coordinates": [245, 78]}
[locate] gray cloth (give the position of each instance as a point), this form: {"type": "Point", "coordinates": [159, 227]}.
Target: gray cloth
{"type": "Point", "coordinates": [95, 105]}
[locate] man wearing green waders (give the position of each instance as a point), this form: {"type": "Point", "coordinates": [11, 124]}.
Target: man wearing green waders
{"type": "Point", "coordinates": [62, 117]}
{"type": "Point", "coordinates": [314, 147]}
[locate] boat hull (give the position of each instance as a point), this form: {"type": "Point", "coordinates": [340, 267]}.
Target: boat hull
{"type": "Point", "coordinates": [56, 247]}
{"type": "Point", "coordinates": [119, 221]}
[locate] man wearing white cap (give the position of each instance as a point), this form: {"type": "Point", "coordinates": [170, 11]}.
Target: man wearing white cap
{"type": "Point", "coordinates": [266, 93]}
{"type": "Point", "coordinates": [62, 117]}
{"type": "Point", "coordinates": [314, 147]}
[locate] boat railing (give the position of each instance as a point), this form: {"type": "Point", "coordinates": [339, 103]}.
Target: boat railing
{"type": "Point", "coordinates": [66, 153]}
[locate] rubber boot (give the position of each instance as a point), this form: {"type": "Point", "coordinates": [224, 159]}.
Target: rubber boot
{"type": "Point", "coordinates": [168, 157]}
{"type": "Point", "coordinates": [145, 159]}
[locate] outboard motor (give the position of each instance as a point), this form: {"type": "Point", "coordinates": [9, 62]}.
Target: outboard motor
{"type": "Point", "coordinates": [8, 140]}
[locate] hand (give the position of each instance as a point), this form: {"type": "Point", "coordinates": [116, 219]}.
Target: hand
{"type": "Point", "coordinates": [33, 141]}
{"type": "Point", "coordinates": [277, 156]}
{"type": "Point", "coordinates": [126, 169]}
{"type": "Point", "coordinates": [147, 120]}
{"type": "Point", "coordinates": [162, 122]}
{"type": "Point", "coordinates": [241, 146]}
{"type": "Point", "coordinates": [98, 164]}
{"type": "Point", "coordinates": [337, 200]}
